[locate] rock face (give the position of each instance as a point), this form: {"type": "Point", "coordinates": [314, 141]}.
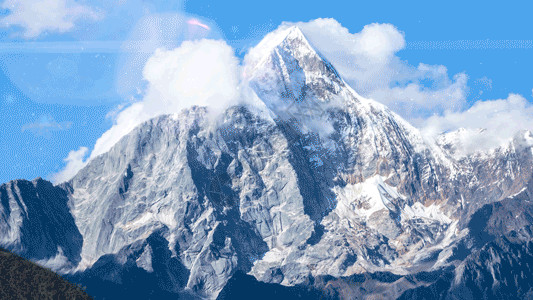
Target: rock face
{"type": "Point", "coordinates": [324, 187]}
{"type": "Point", "coordinates": [36, 222]}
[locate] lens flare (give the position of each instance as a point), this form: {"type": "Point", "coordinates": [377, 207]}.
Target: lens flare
{"type": "Point", "coordinates": [196, 22]}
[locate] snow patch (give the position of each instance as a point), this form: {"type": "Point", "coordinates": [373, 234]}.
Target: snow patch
{"type": "Point", "coordinates": [363, 199]}
{"type": "Point", "coordinates": [432, 212]}
{"type": "Point", "coordinates": [145, 260]}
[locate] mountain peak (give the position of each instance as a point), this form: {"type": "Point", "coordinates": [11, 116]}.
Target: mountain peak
{"type": "Point", "coordinates": [278, 39]}
{"type": "Point", "coordinates": [294, 32]}
{"type": "Point", "coordinates": [285, 69]}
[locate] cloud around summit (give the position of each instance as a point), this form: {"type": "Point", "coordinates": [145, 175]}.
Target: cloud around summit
{"type": "Point", "coordinates": [426, 95]}
{"type": "Point", "coordinates": [368, 60]}
{"type": "Point", "coordinates": [202, 72]}
{"type": "Point", "coordinates": [207, 72]}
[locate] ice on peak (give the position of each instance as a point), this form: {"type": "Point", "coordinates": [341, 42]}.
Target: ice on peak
{"type": "Point", "coordinates": [284, 65]}
{"type": "Point", "coordinates": [276, 39]}
{"type": "Point", "coordinates": [294, 33]}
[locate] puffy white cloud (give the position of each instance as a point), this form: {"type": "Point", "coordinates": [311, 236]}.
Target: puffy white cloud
{"type": "Point", "coordinates": [202, 72]}
{"type": "Point", "coordinates": [416, 102]}
{"type": "Point", "coordinates": [36, 17]}
{"type": "Point", "coordinates": [499, 120]}
{"type": "Point", "coordinates": [150, 32]}
{"type": "Point", "coordinates": [75, 162]}
{"type": "Point", "coordinates": [368, 61]}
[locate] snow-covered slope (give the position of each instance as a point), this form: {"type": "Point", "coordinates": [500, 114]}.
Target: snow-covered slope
{"type": "Point", "coordinates": [327, 183]}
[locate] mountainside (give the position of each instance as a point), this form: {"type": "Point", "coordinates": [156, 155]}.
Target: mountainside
{"type": "Point", "coordinates": [36, 222]}
{"type": "Point", "coordinates": [324, 189]}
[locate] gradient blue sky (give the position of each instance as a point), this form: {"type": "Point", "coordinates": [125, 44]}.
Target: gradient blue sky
{"type": "Point", "coordinates": [58, 90]}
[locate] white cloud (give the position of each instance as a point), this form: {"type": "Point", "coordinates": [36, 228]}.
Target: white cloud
{"type": "Point", "coordinates": [36, 17]}
{"type": "Point", "coordinates": [75, 162]}
{"type": "Point", "coordinates": [426, 95]}
{"type": "Point", "coordinates": [500, 120]}
{"type": "Point", "coordinates": [150, 32]}
{"type": "Point", "coordinates": [368, 61]}
{"type": "Point", "coordinates": [203, 72]}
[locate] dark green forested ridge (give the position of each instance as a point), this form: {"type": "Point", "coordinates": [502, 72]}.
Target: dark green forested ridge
{"type": "Point", "coordinates": [22, 279]}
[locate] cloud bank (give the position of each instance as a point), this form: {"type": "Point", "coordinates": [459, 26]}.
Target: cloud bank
{"type": "Point", "coordinates": [37, 17]}
{"type": "Point", "coordinates": [425, 95]}
{"type": "Point", "coordinates": [489, 124]}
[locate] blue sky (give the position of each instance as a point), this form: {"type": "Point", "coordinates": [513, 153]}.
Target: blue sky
{"type": "Point", "coordinates": [62, 83]}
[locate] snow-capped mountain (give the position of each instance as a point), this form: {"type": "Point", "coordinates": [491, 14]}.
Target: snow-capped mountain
{"type": "Point", "coordinates": [323, 186]}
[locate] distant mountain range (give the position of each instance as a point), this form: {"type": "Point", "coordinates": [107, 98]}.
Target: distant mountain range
{"type": "Point", "coordinates": [320, 193]}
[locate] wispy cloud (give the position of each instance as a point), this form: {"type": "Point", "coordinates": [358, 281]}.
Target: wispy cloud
{"type": "Point", "coordinates": [498, 120]}
{"type": "Point", "coordinates": [45, 125]}
{"type": "Point", "coordinates": [37, 17]}
{"type": "Point", "coordinates": [126, 46]}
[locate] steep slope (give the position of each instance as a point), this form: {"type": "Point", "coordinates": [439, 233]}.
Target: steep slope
{"type": "Point", "coordinates": [501, 269]}
{"type": "Point", "coordinates": [35, 222]}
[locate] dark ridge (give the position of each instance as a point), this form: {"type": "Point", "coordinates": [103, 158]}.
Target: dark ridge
{"type": "Point", "coordinates": [215, 184]}
{"type": "Point", "coordinates": [22, 279]}
{"type": "Point", "coordinates": [317, 234]}
{"type": "Point", "coordinates": [314, 181]}
{"type": "Point", "coordinates": [502, 269]}
{"type": "Point", "coordinates": [47, 223]}
{"type": "Point", "coordinates": [108, 278]}
{"type": "Point", "coordinates": [437, 290]}
{"type": "Point", "coordinates": [243, 286]}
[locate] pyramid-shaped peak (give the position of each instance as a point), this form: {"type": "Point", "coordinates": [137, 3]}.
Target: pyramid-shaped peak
{"type": "Point", "coordinates": [290, 38]}
{"type": "Point", "coordinates": [290, 75]}
{"type": "Point", "coordinates": [294, 32]}
{"type": "Point", "coordinates": [281, 35]}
